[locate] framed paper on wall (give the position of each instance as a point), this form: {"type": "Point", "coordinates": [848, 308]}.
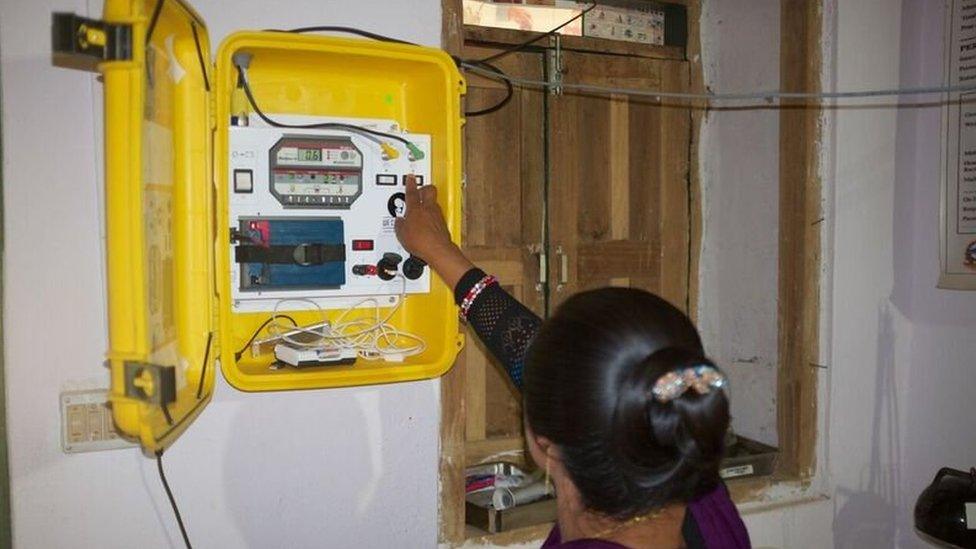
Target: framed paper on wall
{"type": "Point", "coordinates": [958, 210]}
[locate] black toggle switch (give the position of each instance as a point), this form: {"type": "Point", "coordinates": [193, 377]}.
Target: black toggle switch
{"type": "Point", "coordinates": [365, 270]}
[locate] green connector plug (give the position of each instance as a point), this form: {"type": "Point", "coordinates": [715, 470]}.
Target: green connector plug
{"type": "Point", "coordinates": [415, 152]}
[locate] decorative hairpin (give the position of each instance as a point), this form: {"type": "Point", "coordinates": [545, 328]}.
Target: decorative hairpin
{"type": "Point", "coordinates": [700, 378]}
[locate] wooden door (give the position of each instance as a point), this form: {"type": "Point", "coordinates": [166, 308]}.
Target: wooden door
{"type": "Point", "coordinates": [619, 187]}
{"type": "Point", "coordinates": [503, 234]}
{"type": "Point", "coordinates": [614, 201]}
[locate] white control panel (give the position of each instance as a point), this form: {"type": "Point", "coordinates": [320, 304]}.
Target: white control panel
{"type": "Point", "coordinates": [312, 211]}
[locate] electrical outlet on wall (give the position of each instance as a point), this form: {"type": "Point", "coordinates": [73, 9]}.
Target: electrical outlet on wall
{"type": "Point", "coordinates": [86, 423]}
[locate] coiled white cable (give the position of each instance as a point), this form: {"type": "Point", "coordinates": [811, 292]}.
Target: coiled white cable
{"type": "Point", "coordinates": [373, 339]}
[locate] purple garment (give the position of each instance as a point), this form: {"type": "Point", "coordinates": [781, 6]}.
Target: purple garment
{"type": "Point", "coordinates": [717, 520]}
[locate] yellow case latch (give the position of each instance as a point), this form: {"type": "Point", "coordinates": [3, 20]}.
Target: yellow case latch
{"type": "Point", "coordinates": [151, 383]}
{"type": "Point", "coordinates": [82, 43]}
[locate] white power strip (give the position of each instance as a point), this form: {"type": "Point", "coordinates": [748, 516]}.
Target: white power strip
{"type": "Point", "coordinates": [303, 357]}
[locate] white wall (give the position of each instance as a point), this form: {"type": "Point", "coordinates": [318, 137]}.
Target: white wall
{"type": "Point", "coordinates": [901, 368]}
{"type": "Point", "coordinates": [357, 468]}
{"type": "Point", "coordinates": [338, 468]}
{"type": "Point", "coordinates": [740, 200]}
{"type": "Point", "coordinates": [904, 347]}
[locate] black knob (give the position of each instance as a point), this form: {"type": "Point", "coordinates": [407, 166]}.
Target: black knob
{"type": "Point", "coordinates": [397, 204]}
{"type": "Point", "coordinates": [413, 267]}
{"type": "Point", "coordinates": [386, 268]}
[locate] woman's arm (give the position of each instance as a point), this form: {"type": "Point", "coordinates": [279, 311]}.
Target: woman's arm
{"type": "Point", "coordinates": [504, 325]}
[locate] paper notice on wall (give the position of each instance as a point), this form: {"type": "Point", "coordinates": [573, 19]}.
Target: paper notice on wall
{"type": "Point", "coordinates": [958, 252]}
{"type": "Point", "coordinates": [636, 23]}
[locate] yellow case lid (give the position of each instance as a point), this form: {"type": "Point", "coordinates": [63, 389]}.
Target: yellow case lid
{"type": "Point", "coordinates": [167, 113]}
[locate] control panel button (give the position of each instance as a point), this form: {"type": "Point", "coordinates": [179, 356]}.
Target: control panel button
{"type": "Point", "coordinates": [418, 178]}
{"type": "Point", "coordinates": [389, 179]}
{"type": "Point", "coordinates": [243, 181]}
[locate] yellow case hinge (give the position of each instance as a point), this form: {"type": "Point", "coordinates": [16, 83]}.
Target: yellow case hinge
{"type": "Point", "coordinates": [82, 43]}
{"type": "Point", "coordinates": [212, 98]}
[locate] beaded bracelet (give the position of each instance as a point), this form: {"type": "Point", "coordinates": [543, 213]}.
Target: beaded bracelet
{"type": "Point", "coordinates": [474, 292]}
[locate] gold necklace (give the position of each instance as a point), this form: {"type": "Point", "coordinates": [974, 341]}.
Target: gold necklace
{"type": "Point", "coordinates": [626, 524]}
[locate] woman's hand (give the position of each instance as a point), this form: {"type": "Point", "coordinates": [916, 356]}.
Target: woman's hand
{"type": "Point", "coordinates": [423, 232]}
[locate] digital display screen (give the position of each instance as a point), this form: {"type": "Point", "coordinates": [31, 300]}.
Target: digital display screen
{"type": "Point", "coordinates": [313, 172]}
{"type": "Point", "coordinates": [310, 155]}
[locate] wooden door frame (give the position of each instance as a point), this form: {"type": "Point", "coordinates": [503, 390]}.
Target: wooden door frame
{"type": "Point", "coordinates": [451, 527]}
{"type": "Point", "coordinates": [800, 254]}
{"type": "Point", "coordinates": [800, 218]}
{"type": "Point", "coordinates": [799, 265]}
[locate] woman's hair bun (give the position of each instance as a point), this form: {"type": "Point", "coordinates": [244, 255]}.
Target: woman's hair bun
{"type": "Point", "coordinates": [589, 383]}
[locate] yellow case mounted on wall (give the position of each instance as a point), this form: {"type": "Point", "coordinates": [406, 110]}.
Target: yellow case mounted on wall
{"type": "Point", "coordinates": [167, 113]}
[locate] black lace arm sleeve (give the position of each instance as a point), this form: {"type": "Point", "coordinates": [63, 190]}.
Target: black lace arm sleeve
{"type": "Point", "coordinates": [504, 325]}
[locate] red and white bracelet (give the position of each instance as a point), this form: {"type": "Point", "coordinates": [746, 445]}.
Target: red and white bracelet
{"type": "Point", "coordinates": [474, 292]}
